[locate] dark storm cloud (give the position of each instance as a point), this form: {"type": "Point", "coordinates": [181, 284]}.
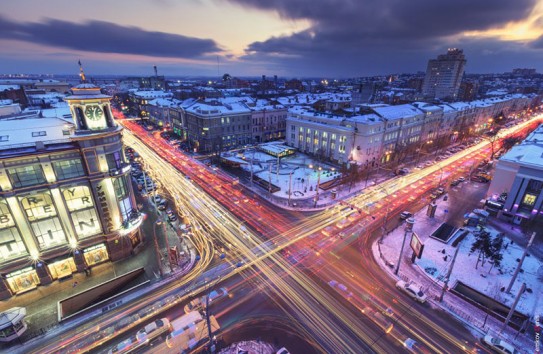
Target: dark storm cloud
{"type": "Point", "coordinates": [106, 37]}
{"type": "Point", "coordinates": [366, 35]}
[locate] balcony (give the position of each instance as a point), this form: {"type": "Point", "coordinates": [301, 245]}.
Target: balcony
{"type": "Point", "coordinates": [121, 170]}
{"type": "Point", "coordinates": [134, 221]}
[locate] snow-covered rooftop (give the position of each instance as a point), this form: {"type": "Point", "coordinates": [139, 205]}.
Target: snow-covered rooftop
{"type": "Point", "coordinates": [397, 112]}
{"type": "Point", "coordinates": [31, 130]}
{"type": "Point", "coordinates": [529, 152]}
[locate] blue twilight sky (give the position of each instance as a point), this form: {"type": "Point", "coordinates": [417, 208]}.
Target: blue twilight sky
{"type": "Point", "coordinates": [289, 38]}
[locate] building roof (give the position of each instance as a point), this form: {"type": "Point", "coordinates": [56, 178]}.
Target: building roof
{"type": "Point", "coordinates": [529, 152]}
{"type": "Point", "coordinates": [397, 112]}
{"type": "Point", "coordinates": [28, 131]}
{"type": "Point", "coordinates": [11, 316]}
{"type": "Point", "coordinates": [200, 108]}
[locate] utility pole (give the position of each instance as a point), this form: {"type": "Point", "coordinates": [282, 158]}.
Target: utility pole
{"type": "Point", "coordinates": [520, 263]}
{"type": "Point", "coordinates": [165, 233]}
{"type": "Point", "coordinates": [510, 314]}
{"type": "Point", "coordinates": [449, 272]}
{"type": "Point", "coordinates": [408, 228]}
{"type": "Point", "coordinates": [209, 333]}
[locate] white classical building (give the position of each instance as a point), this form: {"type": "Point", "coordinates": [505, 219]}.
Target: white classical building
{"type": "Point", "coordinates": [384, 132]}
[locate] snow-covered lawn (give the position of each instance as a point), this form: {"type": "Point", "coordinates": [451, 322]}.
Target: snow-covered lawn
{"type": "Point", "coordinates": [303, 182]}
{"type": "Point", "coordinates": [437, 257]}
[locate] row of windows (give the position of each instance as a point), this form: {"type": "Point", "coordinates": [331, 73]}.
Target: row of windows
{"type": "Point", "coordinates": [31, 175]}
{"type": "Point", "coordinates": [41, 213]}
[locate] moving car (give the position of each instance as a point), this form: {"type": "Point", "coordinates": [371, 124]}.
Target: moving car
{"type": "Point", "coordinates": [340, 288]}
{"type": "Point", "coordinates": [498, 345]}
{"type": "Point", "coordinates": [405, 215]}
{"type": "Point", "coordinates": [412, 290]}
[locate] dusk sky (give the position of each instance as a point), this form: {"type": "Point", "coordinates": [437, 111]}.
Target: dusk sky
{"type": "Point", "coordinates": [288, 38]}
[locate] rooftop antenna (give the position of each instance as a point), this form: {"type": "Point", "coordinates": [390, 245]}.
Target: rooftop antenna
{"type": "Point", "coordinates": [156, 70]}
{"type": "Point", "coordinates": [81, 73]}
{"type": "Point", "coordinates": [218, 67]}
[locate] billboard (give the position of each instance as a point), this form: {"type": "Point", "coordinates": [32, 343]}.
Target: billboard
{"type": "Point", "coordinates": [416, 245]}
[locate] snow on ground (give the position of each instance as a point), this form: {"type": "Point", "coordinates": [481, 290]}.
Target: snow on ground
{"type": "Point", "coordinates": [304, 178]}
{"type": "Point", "coordinates": [437, 257]}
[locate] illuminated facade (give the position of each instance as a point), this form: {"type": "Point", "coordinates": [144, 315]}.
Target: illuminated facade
{"type": "Point", "coordinates": [66, 201]}
{"type": "Point", "coordinates": [519, 173]}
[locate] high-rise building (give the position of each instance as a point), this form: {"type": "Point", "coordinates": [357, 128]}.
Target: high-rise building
{"type": "Point", "coordinates": [444, 74]}
{"type": "Point", "coordinates": [66, 201]}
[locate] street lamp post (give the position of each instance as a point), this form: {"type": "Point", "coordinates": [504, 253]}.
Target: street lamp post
{"type": "Point", "coordinates": [157, 250]}
{"type": "Point", "coordinates": [289, 186]}
{"type": "Point", "coordinates": [408, 229]}
{"type": "Point", "coordinates": [318, 185]}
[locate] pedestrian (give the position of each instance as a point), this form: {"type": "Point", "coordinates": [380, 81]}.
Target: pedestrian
{"type": "Point", "coordinates": [74, 284]}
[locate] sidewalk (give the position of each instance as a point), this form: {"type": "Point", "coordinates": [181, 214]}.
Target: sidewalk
{"type": "Point", "coordinates": [41, 303]}
{"type": "Point", "coordinates": [386, 254]}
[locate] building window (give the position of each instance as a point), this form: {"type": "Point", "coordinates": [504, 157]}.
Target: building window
{"type": "Point", "coordinates": [68, 169]}
{"type": "Point", "coordinates": [26, 176]}
{"type": "Point", "coordinates": [81, 207]}
{"type": "Point", "coordinates": [4, 138]}
{"type": "Point", "coordinates": [40, 133]}
{"type": "Point", "coordinates": [114, 160]}
{"type": "Point", "coordinates": [11, 244]}
{"type": "Point", "coordinates": [86, 222]}
{"type": "Point", "coordinates": [49, 232]}
{"type": "Point", "coordinates": [42, 214]}
{"type": "Point", "coordinates": [126, 208]}
{"type": "Point", "coordinates": [121, 189]}
{"type": "Point", "coordinates": [529, 200]}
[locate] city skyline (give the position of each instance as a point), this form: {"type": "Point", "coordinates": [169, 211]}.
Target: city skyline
{"type": "Point", "coordinates": [251, 37]}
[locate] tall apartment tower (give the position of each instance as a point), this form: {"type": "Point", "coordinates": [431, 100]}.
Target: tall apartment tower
{"type": "Point", "coordinates": [444, 74]}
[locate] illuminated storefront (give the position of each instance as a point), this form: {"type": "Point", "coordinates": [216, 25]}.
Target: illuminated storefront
{"type": "Point", "coordinates": [95, 254]}
{"type": "Point", "coordinates": [23, 280]}
{"type": "Point", "coordinates": [62, 269]}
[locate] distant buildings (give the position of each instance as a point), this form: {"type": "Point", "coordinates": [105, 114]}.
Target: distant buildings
{"type": "Point", "coordinates": [523, 72]}
{"type": "Point", "coordinates": [519, 173]}
{"type": "Point", "coordinates": [443, 75]}
{"type": "Point", "coordinates": [380, 133]}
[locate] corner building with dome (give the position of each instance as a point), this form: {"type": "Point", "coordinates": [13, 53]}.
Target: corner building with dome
{"type": "Point", "coordinates": [66, 201]}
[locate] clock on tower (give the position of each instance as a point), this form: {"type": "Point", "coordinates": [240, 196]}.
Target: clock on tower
{"type": "Point", "coordinates": [94, 112]}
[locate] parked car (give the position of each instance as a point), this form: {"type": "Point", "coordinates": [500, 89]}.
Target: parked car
{"type": "Point", "coordinates": [440, 190]}
{"type": "Point", "coordinates": [157, 199]}
{"type": "Point", "coordinates": [403, 171]}
{"type": "Point", "coordinates": [461, 179]}
{"type": "Point", "coordinates": [455, 183]}
{"type": "Point", "coordinates": [413, 290]}
{"type": "Point", "coordinates": [171, 215]}
{"type": "Point", "coordinates": [428, 163]}
{"type": "Point", "coordinates": [498, 345]}
{"type": "Point", "coordinates": [405, 215]}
